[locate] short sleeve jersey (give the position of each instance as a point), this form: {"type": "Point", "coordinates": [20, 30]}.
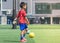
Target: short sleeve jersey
{"type": "Point", "coordinates": [21, 15]}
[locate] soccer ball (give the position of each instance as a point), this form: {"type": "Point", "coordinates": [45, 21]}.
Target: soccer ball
{"type": "Point", "coordinates": [14, 22]}
{"type": "Point", "coordinates": [31, 35]}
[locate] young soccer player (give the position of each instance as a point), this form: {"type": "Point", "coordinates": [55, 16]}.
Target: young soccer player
{"type": "Point", "coordinates": [23, 21]}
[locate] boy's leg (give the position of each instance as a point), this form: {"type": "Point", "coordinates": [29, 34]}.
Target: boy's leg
{"type": "Point", "coordinates": [22, 34]}
{"type": "Point", "coordinates": [23, 28]}
{"type": "Point", "coordinates": [26, 29]}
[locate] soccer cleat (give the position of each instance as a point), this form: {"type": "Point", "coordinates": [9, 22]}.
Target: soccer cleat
{"type": "Point", "coordinates": [28, 31]}
{"type": "Point", "coordinates": [24, 39]}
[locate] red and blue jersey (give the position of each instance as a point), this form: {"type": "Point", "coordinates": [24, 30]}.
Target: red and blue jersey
{"type": "Point", "coordinates": [21, 15]}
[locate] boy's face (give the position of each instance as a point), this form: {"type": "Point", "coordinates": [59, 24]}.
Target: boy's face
{"type": "Point", "coordinates": [24, 6]}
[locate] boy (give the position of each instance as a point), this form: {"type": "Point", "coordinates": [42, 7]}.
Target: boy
{"type": "Point", "coordinates": [23, 21]}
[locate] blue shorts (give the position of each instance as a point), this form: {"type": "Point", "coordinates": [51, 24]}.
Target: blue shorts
{"type": "Point", "coordinates": [23, 26]}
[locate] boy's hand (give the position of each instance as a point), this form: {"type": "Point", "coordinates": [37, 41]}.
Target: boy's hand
{"type": "Point", "coordinates": [28, 23]}
{"type": "Point", "coordinates": [15, 19]}
{"type": "Point", "coordinates": [14, 22]}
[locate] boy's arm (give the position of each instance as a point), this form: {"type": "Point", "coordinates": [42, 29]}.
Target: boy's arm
{"type": "Point", "coordinates": [27, 21]}
{"type": "Point", "coordinates": [14, 21]}
{"type": "Point", "coordinates": [17, 16]}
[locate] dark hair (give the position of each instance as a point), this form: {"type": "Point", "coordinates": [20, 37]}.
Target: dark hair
{"type": "Point", "coordinates": [22, 4]}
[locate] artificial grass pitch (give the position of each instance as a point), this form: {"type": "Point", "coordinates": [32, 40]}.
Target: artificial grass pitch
{"type": "Point", "coordinates": [34, 26]}
{"type": "Point", "coordinates": [41, 36]}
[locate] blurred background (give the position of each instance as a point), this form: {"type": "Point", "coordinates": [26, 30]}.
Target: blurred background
{"type": "Point", "coordinates": [38, 11]}
{"type": "Point", "coordinates": [44, 17]}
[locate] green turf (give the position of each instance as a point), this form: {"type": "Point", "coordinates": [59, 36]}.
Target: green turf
{"type": "Point", "coordinates": [44, 26]}
{"type": "Point", "coordinates": [41, 36]}
{"type": "Point", "coordinates": [34, 26]}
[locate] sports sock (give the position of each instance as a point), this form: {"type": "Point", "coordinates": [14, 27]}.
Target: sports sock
{"type": "Point", "coordinates": [21, 37]}
{"type": "Point", "coordinates": [24, 35]}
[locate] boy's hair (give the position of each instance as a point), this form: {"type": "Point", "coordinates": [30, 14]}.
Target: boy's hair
{"type": "Point", "coordinates": [22, 4]}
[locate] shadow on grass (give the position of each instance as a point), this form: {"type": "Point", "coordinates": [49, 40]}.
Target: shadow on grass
{"type": "Point", "coordinates": [30, 40]}
{"type": "Point", "coordinates": [10, 41]}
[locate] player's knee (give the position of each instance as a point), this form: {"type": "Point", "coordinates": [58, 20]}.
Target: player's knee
{"type": "Point", "coordinates": [26, 30]}
{"type": "Point", "coordinates": [22, 32]}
